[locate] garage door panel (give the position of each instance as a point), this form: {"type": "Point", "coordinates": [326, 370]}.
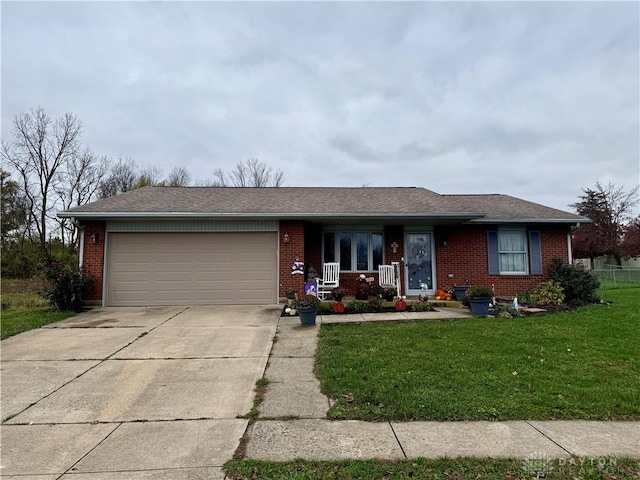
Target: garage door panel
{"type": "Point", "coordinates": [192, 268]}
{"type": "Point", "coordinates": [174, 277]}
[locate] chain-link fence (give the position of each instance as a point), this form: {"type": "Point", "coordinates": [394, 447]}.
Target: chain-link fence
{"type": "Point", "coordinates": [613, 276]}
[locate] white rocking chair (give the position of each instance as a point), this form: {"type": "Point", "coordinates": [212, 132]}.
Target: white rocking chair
{"type": "Point", "coordinates": [330, 280]}
{"type": "Point", "coordinates": [389, 276]}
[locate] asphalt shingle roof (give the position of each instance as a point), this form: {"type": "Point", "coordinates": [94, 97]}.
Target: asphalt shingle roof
{"type": "Point", "coordinates": [329, 201]}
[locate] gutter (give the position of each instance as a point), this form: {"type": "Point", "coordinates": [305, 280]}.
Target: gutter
{"type": "Point", "coordinates": [302, 215]}
{"type": "Point", "coordinates": [530, 220]}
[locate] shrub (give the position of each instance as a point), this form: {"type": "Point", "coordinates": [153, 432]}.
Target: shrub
{"type": "Point", "coordinates": [503, 311]}
{"type": "Point", "coordinates": [576, 281]}
{"type": "Point", "coordinates": [355, 307]}
{"type": "Point", "coordinates": [524, 297]}
{"type": "Point", "coordinates": [547, 293]}
{"type": "Point", "coordinates": [325, 308]}
{"type": "Point", "coordinates": [421, 307]}
{"type": "Point", "coordinates": [374, 305]}
{"type": "Point", "coordinates": [67, 288]}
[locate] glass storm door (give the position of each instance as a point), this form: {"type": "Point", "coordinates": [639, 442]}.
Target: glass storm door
{"type": "Point", "coordinates": [419, 267]}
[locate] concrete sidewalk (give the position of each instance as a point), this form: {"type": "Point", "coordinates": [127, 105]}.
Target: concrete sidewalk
{"type": "Point", "coordinates": [292, 422]}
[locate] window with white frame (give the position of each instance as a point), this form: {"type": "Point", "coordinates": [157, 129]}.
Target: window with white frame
{"type": "Point", "coordinates": [512, 251]}
{"type": "Point", "coordinates": [356, 251]}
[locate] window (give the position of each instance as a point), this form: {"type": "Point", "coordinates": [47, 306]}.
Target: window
{"type": "Point", "coordinates": [512, 251]}
{"type": "Point", "coordinates": [358, 251]}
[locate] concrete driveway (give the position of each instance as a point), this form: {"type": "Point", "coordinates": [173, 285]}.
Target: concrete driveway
{"type": "Point", "coordinates": [132, 393]}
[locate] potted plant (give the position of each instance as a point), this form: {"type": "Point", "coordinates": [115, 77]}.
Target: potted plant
{"type": "Point", "coordinates": [401, 304]}
{"type": "Point", "coordinates": [479, 298]}
{"type": "Point", "coordinates": [389, 294]}
{"type": "Point", "coordinates": [307, 306]}
{"type": "Point", "coordinates": [338, 294]}
{"type": "Point", "coordinates": [460, 291]}
{"type": "Point", "coordinates": [291, 293]}
{"type": "Point", "coordinates": [363, 288]}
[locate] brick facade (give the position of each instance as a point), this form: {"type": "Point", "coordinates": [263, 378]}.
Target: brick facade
{"type": "Point", "coordinates": [464, 257]}
{"type": "Point", "coordinates": [93, 261]}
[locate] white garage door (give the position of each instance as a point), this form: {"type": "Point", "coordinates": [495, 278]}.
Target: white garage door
{"type": "Point", "coordinates": [191, 268]}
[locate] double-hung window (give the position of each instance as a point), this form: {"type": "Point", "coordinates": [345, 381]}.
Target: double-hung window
{"type": "Point", "coordinates": [356, 251]}
{"type": "Point", "coordinates": [514, 252]}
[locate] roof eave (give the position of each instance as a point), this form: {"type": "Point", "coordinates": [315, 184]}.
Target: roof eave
{"type": "Point", "coordinates": [462, 216]}
{"type": "Point", "coordinates": [572, 221]}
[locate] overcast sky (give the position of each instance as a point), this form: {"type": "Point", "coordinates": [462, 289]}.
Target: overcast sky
{"type": "Point", "coordinates": [535, 100]}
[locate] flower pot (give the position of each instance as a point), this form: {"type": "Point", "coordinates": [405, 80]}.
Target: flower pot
{"type": "Point", "coordinates": [308, 316]}
{"type": "Point", "coordinates": [363, 291]}
{"type": "Point", "coordinates": [338, 307]}
{"type": "Point", "coordinates": [401, 306]}
{"type": "Point", "coordinates": [479, 306]}
{"type": "Point", "coordinates": [460, 292]}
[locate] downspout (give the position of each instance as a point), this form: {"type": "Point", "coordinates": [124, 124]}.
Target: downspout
{"type": "Point", "coordinates": [81, 242]}
{"type": "Point", "coordinates": [570, 246]}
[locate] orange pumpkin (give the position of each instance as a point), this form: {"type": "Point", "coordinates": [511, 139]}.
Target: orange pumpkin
{"type": "Point", "coordinates": [440, 293]}
{"type": "Point", "coordinates": [447, 296]}
{"type": "Point", "coordinates": [401, 305]}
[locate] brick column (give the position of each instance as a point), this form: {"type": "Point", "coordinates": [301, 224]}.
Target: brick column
{"type": "Point", "coordinates": [93, 258]}
{"type": "Point", "coordinates": [289, 252]}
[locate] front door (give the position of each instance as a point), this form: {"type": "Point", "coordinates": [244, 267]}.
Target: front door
{"type": "Point", "coordinates": [419, 264]}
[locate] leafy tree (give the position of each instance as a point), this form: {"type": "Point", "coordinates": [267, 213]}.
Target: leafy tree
{"type": "Point", "coordinates": [631, 242]}
{"type": "Point", "coordinates": [609, 208]}
{"type": "Point", "coordinates": [14, 207]}
{"type": "Point", "coordinates": [250, 173]}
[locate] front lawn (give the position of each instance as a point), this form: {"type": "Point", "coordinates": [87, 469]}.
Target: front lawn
{"type": "Point", "coordinates": [583, 468]}
{"type": "Point", "coordinates": [571, 365]}
{"type": "Point", "coordinates": [25, 312]}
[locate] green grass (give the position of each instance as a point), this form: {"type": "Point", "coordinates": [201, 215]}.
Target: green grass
{"type": "Point", "coordinates": [26, 311]}
{"type": "Point", "coordinates": [572, 365]}
{"type": "Point", "coordinates": [584, 468]}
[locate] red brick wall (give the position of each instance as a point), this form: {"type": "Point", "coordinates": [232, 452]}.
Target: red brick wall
{"type": "Point", "coordinates": [288, 254]}
{"type": "Point", "coordinates": [93, 261]}
{"type": "Point", "coordinates": [465, 256]}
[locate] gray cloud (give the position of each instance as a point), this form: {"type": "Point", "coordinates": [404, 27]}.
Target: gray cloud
{"type": "Point", "coordinates": [533, 99]}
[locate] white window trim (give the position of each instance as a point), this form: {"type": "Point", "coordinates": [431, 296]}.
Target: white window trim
{"type": "Point", "coordinates": [354, 250]}
{"type": "Point", "coordinates": [523, 231]}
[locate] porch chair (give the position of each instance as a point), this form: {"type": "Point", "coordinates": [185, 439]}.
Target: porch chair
{"type": "Point", "coordinates": [330, 280]}
{"type": "Point", "coordinates": [389, 276]}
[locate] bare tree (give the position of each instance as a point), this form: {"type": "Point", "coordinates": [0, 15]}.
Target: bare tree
{"type": "Point", "coordinates": [80, 185]}
{"type": "Point", "coordinates": [149, 177]}
{"type": "Point", "coordinates": [39, 153]}
{"type": "Point", "coordinates": [122, 178]}
{"type": "Point", "coordinates": [250, 173]}
{"type": "Point", "coordinates": [178, 177]}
